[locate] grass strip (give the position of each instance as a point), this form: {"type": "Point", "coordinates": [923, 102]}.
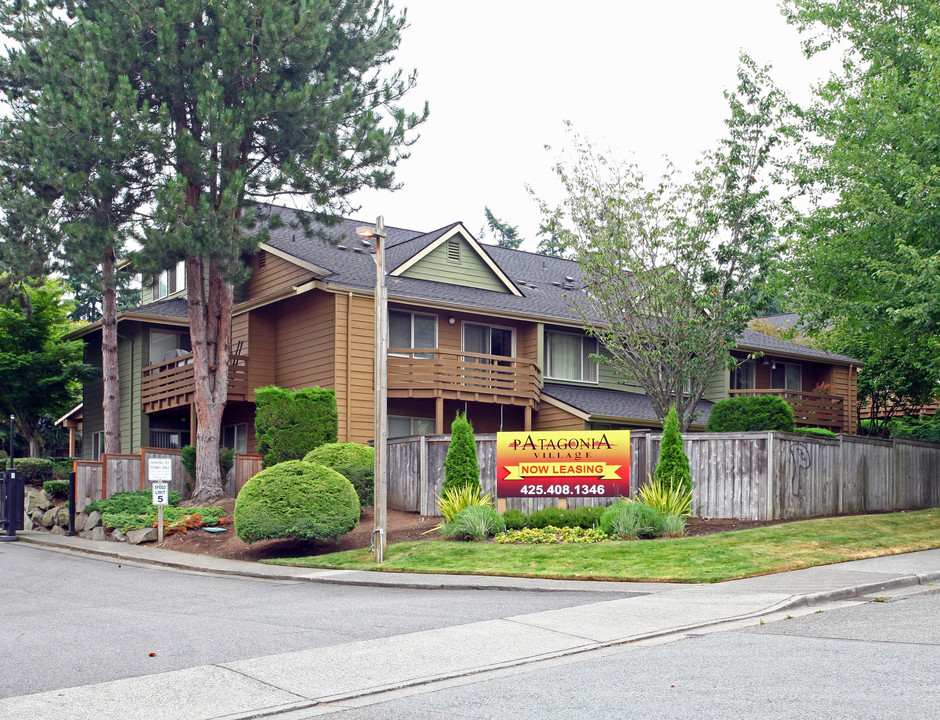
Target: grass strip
{"type": "Point", "coordinates": [703, 559]}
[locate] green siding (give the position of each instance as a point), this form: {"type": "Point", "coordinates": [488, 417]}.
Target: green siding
{"type": "Point", "coordinates": [719, 385]}
{"type": "Point", "coordinates": [471, 271]}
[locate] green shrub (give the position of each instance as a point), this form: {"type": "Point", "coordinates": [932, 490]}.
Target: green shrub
{"type": "Point", "coordinates": [586, 517]}
{"type": "Point", "coordinates": [552, 535]}
{"type": "Point", "coordinates": [460, 465]}
{"type": "Point", "coordinates": [188, 459]}
{"type": "Point", "coordinates": [296, 499]}
{"type": "Point", "coordinates": [174, 518]}
{"type": "Point", "coordinates": [56, 489]}
{"type": "Point", "coordinates": [476, 522]}
{"type": "Point", "coordinates": [631, 520]}
{"type": "Point", "coordinates": [63, 466]}
{"type": "Point", "coordinates": [4, 460]}
{"type": "Point", "coordinates": [672, 468]}
{"type": "Point", "coordinates": [673, 526]}
{"type": "Point", "coordinates": [134, 503]}
{"type": "Point", "coordinates": [750, 413]}
{"type": "Point", "coordinates": [926, 427]}
{"type": "Point", "coordinates": [547, 516]}
{"type": "Point", "coordinates": [355, 461]}
{"type": "Point", "coordinates": [36, 470]}
{"type": "Point", "coordinates": [668, 500]}
{"type": "Point", "coordinates": [335, 454]}
{"type": "Point", "coordinates": [818, 432]}
{"type": "Point", "coordinates": [291, 423]}
{"type": "Point", "coordinates": [515, 519]}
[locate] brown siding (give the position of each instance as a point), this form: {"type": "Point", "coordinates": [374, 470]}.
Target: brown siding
{"type": "Point", "coordinates": [262, 348]}
{"type": "Point", "coordinates": [550, 417]}
{"type": "Point", "coordinates": [304, 327]}
{"type": "Point", "coordinates": [844, 385]}
{"type": "Point", "coordinates": [275, 275]}
{"type": "Point", "coordinates": [353, 348]}
{"type": "Point", "coordinates": [240, 332]}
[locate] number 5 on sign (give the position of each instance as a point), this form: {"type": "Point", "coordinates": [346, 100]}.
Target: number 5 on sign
{"type": "Point", "coordinates": [161, 497]}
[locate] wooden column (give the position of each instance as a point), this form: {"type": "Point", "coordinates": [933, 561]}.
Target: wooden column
{"type": "Point", "coordinates": [439, 415]}
{"type": "Point", "coordinates": [528, 418]}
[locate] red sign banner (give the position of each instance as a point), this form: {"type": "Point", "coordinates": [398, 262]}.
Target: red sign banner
{"type": "Point", "coordinates": [587, 463]}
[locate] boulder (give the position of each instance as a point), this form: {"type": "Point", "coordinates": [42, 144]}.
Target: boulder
{"type": "Point", "coordinates": [37, 500]}
{"type": "Point", "coordinates": [48, 518]}
{"type": "Point", "coordinates": [136, 537]}
{"type": "Point", "coordinates": [118, 535]}
{"type": "Point", "coordinates": [58, 530]}
{"type": "Point", "coordinates": [92, 521]}
{"type": "Point", "coordinates": [62, 517]}
{"type": "Point", "coordinates": [36, 514]}
{"type": "Point", "coordinates": [99, 534]}
{"type": "Point", "coordinates": [27, 523]}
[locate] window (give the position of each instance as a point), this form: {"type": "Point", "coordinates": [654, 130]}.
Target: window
{"type": "Point", "coordinates": [487, 340]}
{"type": "Point", "coordinates": [569, 357]}
{"type": "Point", "coordinates": [402, 426]}
{"type": "Point", "coordinates": [786, 376]}
{"type": "Point", "coordinates": [742, 377]}
{"type": "Point", "coordinates": [167, 344]}
{"type": "Point", "coordinates": [235, 437]}
{"type": "Point", "coordinates": [168, 439]}
{"type": "Point", "coordinates": [170, 281]}
{"type": "Point", "coordinates": [97, 445]}
{"type": "Point", "coordinates": [411, 330]}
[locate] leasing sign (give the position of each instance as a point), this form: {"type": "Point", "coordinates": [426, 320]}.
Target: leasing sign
{"type": "Point", "coordinates": [588, 463]}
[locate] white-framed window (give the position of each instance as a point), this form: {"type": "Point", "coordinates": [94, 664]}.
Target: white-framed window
{"type": "Point", "coordinates": [568, 357]}
{"type": "Point", "coordinates": [412, 330]}
{"type": "Point", "coordinates": [97, 445]}
{"type": "Point", "coordinates": [786, 376]}
{"type": "Point", "coordinates": [488, 339]}
{"type": "Point", "coordinates": [743, 377]}
{"type": "Point", "coordinates": [167, 344]}
{"type": "Point", "coordinates": [235, 437]}
{"type": "Point", "coordinates": [403, 426]}
{"type": "Point", "coordinates": [170, 281]}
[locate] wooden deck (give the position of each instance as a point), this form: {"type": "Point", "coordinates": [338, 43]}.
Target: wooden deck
{"type": "Point", "coordinates": [169, 384]}
{"type": "Point", "coordinates": [457, 375]}
{"type": "Point", "coordinates": [809, 409]}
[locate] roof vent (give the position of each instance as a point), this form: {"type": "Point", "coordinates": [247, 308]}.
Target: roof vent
{"type": "Point", "coordinates": [366, 243]}
{"type": "Point", "coordinates": [556, 283]}
{"type": "Point", "coordinates": [357, 250]}
{"type": "Point", "coordinates": [453, 250]}
{"type": "Point", "coordinates": [569, 278]}
{"type": "Point", "coordinates": [342, 247]}
{"type": "Point", "coordinates": [262, 258]}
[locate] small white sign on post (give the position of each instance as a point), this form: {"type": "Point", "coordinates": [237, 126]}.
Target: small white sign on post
{"type": "Point", "coordinates": [160, 470]}
{"type": "Point", "coordinates": [161, 497]}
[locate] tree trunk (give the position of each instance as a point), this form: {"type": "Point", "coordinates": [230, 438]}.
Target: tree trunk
{"type": "Point", "coordinates": [210, 322]}
{"type": "Point", "coordinates": [111, 402]}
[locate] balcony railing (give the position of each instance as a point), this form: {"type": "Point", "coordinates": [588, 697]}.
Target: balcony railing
{"type": "Point", "coordinates": [809, 409]}
{"type": "Point", "coordinates": [170, 384]}
{"type": "Point", "coordinates": [455, 375]}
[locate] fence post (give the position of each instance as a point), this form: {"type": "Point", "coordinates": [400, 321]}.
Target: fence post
{"type": "Point", "coordinates": [71, 531]}
{"type": "Point", "coordinates": [423, 475]}
{"type": "Point", "coordinates": [769, 509]}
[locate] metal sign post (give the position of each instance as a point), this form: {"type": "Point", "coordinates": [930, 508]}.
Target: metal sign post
{"type": "Point", "coordinates": [160, 474]}
{"type": "Point", "coordinates": [161, 497]}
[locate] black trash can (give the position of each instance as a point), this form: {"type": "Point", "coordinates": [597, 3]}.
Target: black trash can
{"type": "Point", "coordinates": [12, 498]}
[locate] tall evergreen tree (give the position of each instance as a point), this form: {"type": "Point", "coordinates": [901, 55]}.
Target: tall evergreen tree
{"type": "Point", "coordinates": [248, 100]}
{"type": "Point", "coordinates": [507, 236]}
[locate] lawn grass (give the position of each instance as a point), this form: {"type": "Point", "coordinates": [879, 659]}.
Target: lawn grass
{"type": "Point", "coordinates": [708, 558]}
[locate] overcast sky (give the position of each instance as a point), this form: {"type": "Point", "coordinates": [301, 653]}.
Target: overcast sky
{"type": "Point", "coordinates": [502, 76]}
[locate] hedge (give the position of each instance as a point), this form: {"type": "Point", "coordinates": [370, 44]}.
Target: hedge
{"type": "Point", "coordinates": [750, 413]}
{"type": "Point", "coordinates": [291, 423]}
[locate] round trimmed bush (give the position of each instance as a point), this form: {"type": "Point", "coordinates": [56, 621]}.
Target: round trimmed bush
{"type": "Point", "coordinates": [296, 499]}
{"type": "Point", "coordinates": [750, 413]}
{"type": "Point", "coordinates": [355, 461]}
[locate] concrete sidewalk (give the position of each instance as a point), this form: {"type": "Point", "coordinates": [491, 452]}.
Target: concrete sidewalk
{"type": "Point", "coordinates": [291, 685]}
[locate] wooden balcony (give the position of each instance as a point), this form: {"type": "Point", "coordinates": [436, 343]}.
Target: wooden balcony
{"type": "Point", "coordinates": [473, 377]}
{"type": "Point", "coordinates": [809, 409]}
{"type": "Point", "coordinates": [169, 384]}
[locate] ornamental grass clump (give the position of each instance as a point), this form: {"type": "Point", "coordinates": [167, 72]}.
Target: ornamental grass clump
{"type": "Point", "coordinates": [673, 526]}
{"type": "Point", "coordinates": [631, 520]}
{"type": "Point", "coordinates": [454, 500]}
{"type": "Point", "coordinates": [296, 499]}
{"type": "Point", "coordinates": [668, 500]}
{"type": "Point", "coordinates": [477, 522]}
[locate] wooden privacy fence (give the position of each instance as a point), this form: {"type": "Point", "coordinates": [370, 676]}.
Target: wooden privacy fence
{"type": "Point", "coordinates": [95, 480]}
{"type": "Point", "coordinates": [748, 476]}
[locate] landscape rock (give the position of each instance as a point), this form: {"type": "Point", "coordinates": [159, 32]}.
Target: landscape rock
{"type": "Point", "coordinates": [36, 514]}
{"type": "Point", "coordinates": [62, 517]}
{"type": "Point", "coordinates": [48, 518]}
{"type": "Point", "coordinates": [84, 534]}
{"type": "Point", "coordinates": [58, 530]}
{"type": "Point", "coordinates": [37, 500]}
{"type": "Point", "coordinates": [119, 535]}
{"type": "Point", "coordinates": [99, 534]}
{"type": "Point", "coordinates": [92, 521]}
{"type": "Point", "coordinates": [136, 537]}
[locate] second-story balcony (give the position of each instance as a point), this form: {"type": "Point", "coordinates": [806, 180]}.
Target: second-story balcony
{"type": "Point", "coordinates": [170, 384]}
{"type": "Point", "coordinates": [458, 375]}
{"type": "Point", "coordinates": [809, 409]}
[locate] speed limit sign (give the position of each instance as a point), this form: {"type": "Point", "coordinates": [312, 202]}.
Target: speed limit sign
{"type": "Point", "coordinates": [161, 493]}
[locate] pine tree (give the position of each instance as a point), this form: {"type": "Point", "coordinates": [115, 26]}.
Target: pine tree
{"type": "Point", "coordinates": [460, 465]}
{"type": "Point", "coordinates": [672, 470]}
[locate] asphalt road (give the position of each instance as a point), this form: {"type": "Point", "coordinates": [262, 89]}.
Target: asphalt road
{"type": "Point", "coordinates": [68, 620]}
{"type": "Point", "coordinates": [874, 660]}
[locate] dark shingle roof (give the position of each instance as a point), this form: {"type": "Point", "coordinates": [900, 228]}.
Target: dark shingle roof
{"type": "Point", "coordinates": [614, 403]}
{"type": "Point", "coordinates": [172, 308]}
{"type": "Point", "coordinates": [753, 340]}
